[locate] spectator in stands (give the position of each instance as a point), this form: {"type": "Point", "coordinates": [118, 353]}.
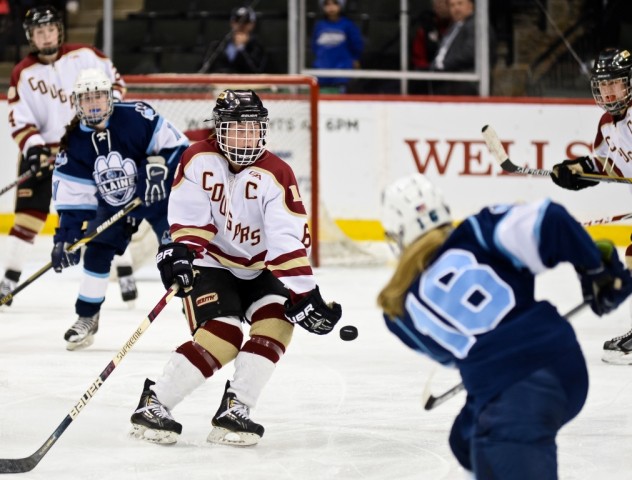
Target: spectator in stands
{"type": "Point", "coordinates": [336, 44]}
{"type": "Point", "coordinates": [430, 28]}
{"type": "Point", "coordinates": [239, 51]}
{"type": "Point", "coordinates": [457, 50]}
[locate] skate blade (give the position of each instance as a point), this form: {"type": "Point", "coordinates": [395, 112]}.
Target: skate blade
{"type": "Point", "coordinates": [160, 437]}
{"type": "Point", "coordinates": [222, 436]}
{"type": "Point", "coordinates": [616, 357]}
{"type": "Point", "coordinates": [85, 343]}
{"type": "Point", "coordinates": [130, 304]}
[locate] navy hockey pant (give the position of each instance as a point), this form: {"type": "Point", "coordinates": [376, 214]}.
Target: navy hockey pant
{"type": "Point", "coordinates": [513, 436]}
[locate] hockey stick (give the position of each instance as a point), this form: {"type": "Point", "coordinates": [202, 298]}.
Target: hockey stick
{"type": "Point", "coordinates": [26, 464]}
{"type": "Point", "coordinates": [498, 151]}
{"type": "Point", "coordinates": [605, 220]}
{"type": "Point", "coordinates": [432, 401]}
{"type": "Point", "coordinates": [24, 177]}
{"type": "Point", "coordinates": [21, 179]}
{"type": "Point", "coordinates": [74, 247]}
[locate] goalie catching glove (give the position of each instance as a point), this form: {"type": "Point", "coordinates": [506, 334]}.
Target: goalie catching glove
{"type": "Point", "coordinates": [610, 284]}
{"type": "Point", "coordinates": [313, 314]}
{"type": "Point", "coordinates": [174, 261]}
{"type": "Point", "coordinates": [566, 174]}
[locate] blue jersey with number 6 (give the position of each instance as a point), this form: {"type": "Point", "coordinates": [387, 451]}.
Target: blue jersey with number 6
{"type": "Point", "coordinates": [474, 307]}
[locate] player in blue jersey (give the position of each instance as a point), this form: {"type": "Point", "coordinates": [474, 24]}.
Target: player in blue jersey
{"type": "Point", "coordinates": [110, 154]}
{"type": "Point", "coordinates": [465, 297]}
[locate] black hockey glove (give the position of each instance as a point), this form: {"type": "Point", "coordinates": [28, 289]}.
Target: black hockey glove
{"type": "Point", "coordinates": [155, 189]}
{"type": "Point", "coordinates": [566, 174]}
{"type": "Point", "coordinates": [37, 160]}
{"type": "Point", "coordinates": [313, 314]}
{"type": "Point", "coordinates": [606, 287]}
{"type": "Point", "coordinates": [174, 261]}
{"type": "Point", "coordinates": [61, 258]}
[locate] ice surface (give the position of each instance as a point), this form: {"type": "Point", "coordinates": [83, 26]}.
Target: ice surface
{"type": "Point", "coordinates": [333, 409]}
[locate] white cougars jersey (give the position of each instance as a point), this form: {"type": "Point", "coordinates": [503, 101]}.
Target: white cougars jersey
{"type": "Point", "coordinates": [612, 149]}
{"type": "Point", "coordinates": [244, 222]}
{"type": "Point", "coordinates": [39, 94]}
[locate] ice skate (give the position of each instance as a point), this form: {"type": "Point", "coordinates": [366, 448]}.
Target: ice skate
{"type": "Point", "coordinates": [126, 280]}
{"type": "Point", "coordinates": [152, 421]}
{"type": "Point", "coordinates": [81, 334]}
{"type": "Point", "coordinates": [618, 351]}
{"type": "Point", "coordinates": [8, 284]}
{"type": "Point", "coordinates": [232, 424]}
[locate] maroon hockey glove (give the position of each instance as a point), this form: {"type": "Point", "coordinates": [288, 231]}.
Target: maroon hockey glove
{"type": "Point", "coordinates": [174, 261]}
{"type": "Point", "coordinates": [313, 314]}
{"type": "Point", "coordinates": [566, 174]}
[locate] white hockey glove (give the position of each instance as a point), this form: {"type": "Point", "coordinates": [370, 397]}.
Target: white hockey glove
{"type": "Point", "coordinates": [155, 189]}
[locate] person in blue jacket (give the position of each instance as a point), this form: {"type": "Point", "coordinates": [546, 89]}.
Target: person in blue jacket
{"type": "Point", "coordinates": [465, 297]}
{"type": "Point", "coordinates": [336, 44]}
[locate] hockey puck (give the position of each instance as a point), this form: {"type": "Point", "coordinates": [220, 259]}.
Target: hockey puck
{"type": "Point", "coordinates": [348, 333]}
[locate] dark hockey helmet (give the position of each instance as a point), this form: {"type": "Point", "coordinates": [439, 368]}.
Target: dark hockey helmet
{"type": "Point", "coordinates": [38, 16]}
{"type": "Point", "coordinates": [610, 80]}
{"type": "Point", "coordinates": [241, 125]}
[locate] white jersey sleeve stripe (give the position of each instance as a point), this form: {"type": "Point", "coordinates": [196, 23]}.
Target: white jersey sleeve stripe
{"type": "Point", "coordinates": [510, 238]}
{"type": "Point", "coordinates": [70, 178]}
{"type": "Point", "coordinates": [477, 232]}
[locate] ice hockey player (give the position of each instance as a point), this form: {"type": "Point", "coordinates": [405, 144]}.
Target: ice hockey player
{"type": "Point", "coordinates": [465, 297]}
{"type": "Point", "coordinates": [39, 110]}
{"type": "Point", "coordinates": [611, 87]}
{"type": "Point", "coordinates": [237, 218]}
{"type": "Point", "coordinates": [110, 154]}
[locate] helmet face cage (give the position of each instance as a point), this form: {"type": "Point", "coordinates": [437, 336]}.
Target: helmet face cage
{"type": "Point", "coordinates": [411, 207]}
{"type": "Point", "coordinates": [92, 97]}
{"type": "Point", "coordinates": [241, 126]}
{"type": "Point", "coordinates": [40, 16]}
{"type": "Point", "coordinates": [610, 81]}
{"type": "Point", "coordinates": [242, 142]}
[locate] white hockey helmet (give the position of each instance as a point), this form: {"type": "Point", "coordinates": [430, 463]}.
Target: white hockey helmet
{"type": "Point", "coordinates": [91, 86]}
{"type": "Point", "coordinates": [411, 207]}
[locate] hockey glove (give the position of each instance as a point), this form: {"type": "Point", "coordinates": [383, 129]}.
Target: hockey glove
{"type": "Point", "coordinates": [155, 189]}
{"type": "Point", "coordinates": [61, 258]}
{"type": "Point", "coordinates": [610, 284]}
{"type": "Point", "coordinates": [37, 160]}
{"type": "Point", "coordinates": [174, 261]}
{"type": "Point", "coordinates": [566, 174]}
{"type": "Point", "coordinates": [313, 314]}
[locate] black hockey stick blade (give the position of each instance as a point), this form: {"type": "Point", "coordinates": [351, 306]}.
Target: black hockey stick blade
{"type": "Point", "coordinates": [434, 401]}
{"type": "Point", "coordinates": [26, 464]}
{"type": "Point", "coordinates": [500, 155]}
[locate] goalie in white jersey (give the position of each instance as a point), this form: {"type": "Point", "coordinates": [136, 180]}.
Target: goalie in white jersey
{"type": "Point", "coordinates": [237, 219]}
{"type": "Point", "coordinates": [39, 110]}
{"type": "Point", "coordinates": [611, 84]}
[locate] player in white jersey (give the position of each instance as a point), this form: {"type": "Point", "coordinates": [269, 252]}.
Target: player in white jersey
{"type": "Point", "coordinates": [39, 110]}
{"type": "Point", "coordinates": [611, 84]}
{"type": "Point", "coordinates": [236, 218]}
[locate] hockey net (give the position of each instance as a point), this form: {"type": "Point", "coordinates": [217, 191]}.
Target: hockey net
{"type": "Point", "coordinates": [292, 101]}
